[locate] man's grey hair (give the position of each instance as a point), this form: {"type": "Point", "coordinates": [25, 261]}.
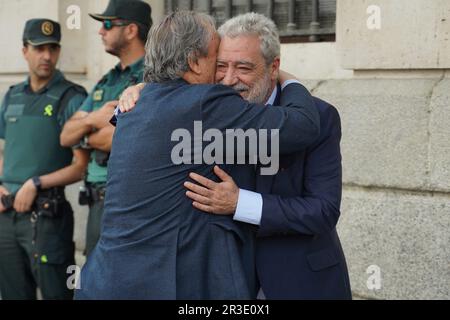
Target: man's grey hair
{"type": "Point", "coordinates": [180, 37]}
{"type": "Point", "coordinates": [250, 24]}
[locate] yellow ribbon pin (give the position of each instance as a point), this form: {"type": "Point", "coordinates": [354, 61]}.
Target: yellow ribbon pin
{"type": "Point", "coordinates": [48, 111]}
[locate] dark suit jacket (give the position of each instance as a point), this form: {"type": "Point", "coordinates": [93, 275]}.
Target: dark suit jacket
{"type": "Point", "coordinates": [154, 244]}
{"type": "Point", "coordinates": [299, 255]}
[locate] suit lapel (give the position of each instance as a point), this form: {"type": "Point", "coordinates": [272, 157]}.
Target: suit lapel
{"type": "Point", "coordinates": [264, 182]}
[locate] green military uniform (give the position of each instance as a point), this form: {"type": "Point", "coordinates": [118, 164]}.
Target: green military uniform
{"type": "Point", "coordinates": [37, 253]}
{"type": "Point", "coordinates": [109, 88]}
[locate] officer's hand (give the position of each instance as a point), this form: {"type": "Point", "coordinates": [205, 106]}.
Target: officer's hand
{"type": "Point", "coordinates": [214, 197]}
{"type": "Point", "coordinates": [100, 118]}
{"type": "Point", "coordinates": [129, 97]}
{"type": "Point", "coordinates": [25, 197]}
{"type": "Point", "coordinates": [3, 192]}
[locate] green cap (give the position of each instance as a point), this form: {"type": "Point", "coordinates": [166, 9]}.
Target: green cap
{"type": "Point", "coordinates": [41, 31]}
{"type": "Point", "coordinates": [131, 10]}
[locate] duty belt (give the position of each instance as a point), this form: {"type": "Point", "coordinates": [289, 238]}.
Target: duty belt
{"type": "Point", "coordinates": [97, 192]}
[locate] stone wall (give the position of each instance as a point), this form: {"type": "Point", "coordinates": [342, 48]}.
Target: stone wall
{"type": "Point", "coordinates": [396, 201]}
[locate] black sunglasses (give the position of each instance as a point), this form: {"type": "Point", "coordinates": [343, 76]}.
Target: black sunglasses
{"type": "Point", "coordinates": [109, 24]}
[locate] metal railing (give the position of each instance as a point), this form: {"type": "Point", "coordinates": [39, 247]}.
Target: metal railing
{"type": "Point", "coordinates": [310, 19]}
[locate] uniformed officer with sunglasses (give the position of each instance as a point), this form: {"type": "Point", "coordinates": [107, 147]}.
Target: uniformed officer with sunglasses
{"type": "Point", "coordinates": [125, 26]}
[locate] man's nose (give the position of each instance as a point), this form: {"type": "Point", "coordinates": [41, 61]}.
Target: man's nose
{"type": "Point", "coordinates": [230, 78]}
{"type": "Point", "coordinates": [46, 54]}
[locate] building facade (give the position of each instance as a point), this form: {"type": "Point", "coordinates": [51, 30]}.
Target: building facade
{"type": "Point", "coordinates": [385, 65]}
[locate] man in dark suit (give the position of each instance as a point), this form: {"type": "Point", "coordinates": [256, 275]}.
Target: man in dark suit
{"type": "Point", "coordinates": [154, 244]}
{"type": "Point", "coordinates": [298, 252]}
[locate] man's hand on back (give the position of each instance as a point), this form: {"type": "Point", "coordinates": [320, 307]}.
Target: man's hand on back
{"type": "Point", "coordinates": [129, 97]}
{"type": "Point", "coordinates": [213, 197]}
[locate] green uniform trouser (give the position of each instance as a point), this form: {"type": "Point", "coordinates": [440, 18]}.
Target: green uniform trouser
{"type": "Point", "coordinates": [94, 220]}
{"type": "Point", "coordinates": [25, 265]}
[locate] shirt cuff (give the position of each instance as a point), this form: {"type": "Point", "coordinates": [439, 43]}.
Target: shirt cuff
{"type": "Point", "coordinates": [288, 82]}
{"type": "Point", "coordinates": [249, 207]}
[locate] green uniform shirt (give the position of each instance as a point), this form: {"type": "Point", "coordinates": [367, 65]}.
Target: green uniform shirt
{"type": "Point", "coordinates": [109, 88]}
{"type": "Point", "coordinates": [31, 123]}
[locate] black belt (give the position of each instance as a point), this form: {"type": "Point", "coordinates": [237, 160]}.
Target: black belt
{"type": "Point", "coordinates": [97, 192]}
{"type": "Point", "coordinates": [56, 192]}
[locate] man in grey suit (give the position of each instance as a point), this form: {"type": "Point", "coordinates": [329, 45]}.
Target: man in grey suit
{"type": "Point", "coordinates": [154, 244]}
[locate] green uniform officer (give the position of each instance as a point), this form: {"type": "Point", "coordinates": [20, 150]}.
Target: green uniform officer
{"type": "Point", "coordinates": [125, 26]}
{"type": "Point", "coordinates": [36, 221]}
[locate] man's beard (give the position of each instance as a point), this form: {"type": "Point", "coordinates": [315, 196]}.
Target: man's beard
{"type": "Point", "coordinates": [117, 47]}
{"type": "Point", "coordinates": [41, 74]}
{"type": "Point", "coordinates": [260, 91]}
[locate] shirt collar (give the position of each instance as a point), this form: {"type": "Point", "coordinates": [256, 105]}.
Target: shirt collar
{"type": "Point", "coordinates": [137, 65]}
{"type": "Point", "coordinates": [56, 77]}
{"type": "Point", "coordinates": [273, 96]}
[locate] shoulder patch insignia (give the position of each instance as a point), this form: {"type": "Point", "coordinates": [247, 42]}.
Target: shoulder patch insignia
{"type": "Point", "coordinates": [98, 95]}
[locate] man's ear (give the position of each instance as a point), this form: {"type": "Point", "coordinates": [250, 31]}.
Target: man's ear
{"type": "Point", "coordinates": [24, 51]}
{"type": "Point", "coordinates": [194, 66]}
{"type": "Point", "coordinates": [275, 69]}
{"type": "Point", "coordinates": [133, 31]}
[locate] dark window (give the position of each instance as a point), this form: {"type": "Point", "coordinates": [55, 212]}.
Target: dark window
{"type": "Point", "coordinates": [297, 20]}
